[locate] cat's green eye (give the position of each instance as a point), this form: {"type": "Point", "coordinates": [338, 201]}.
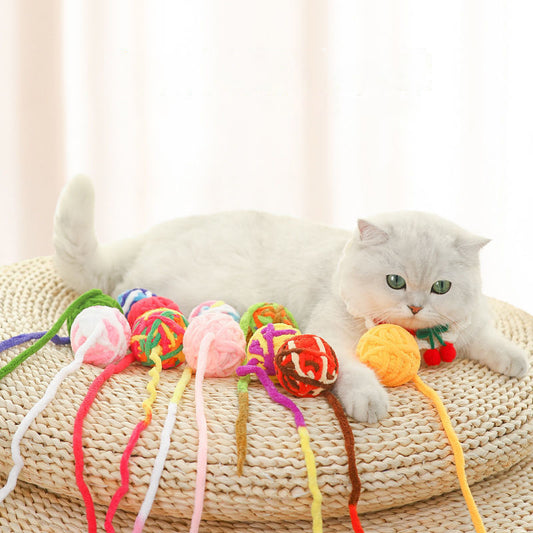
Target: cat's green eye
{"type": "Point", "coordinates": [441, 287]}
{"type": "Point", "coordinates": [396, 282]}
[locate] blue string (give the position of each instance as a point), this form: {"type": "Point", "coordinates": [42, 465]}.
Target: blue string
{"type": "Point", "coordinates": [25, 337]}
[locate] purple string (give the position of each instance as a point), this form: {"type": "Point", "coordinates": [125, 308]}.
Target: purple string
{"type": "Point", "coordinates": [25, 337]}
{"type": "Point", "coordinates": [272, 391]}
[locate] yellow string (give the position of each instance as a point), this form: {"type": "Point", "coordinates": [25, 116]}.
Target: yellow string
{"type": "Point", "coordinates": [316, 506]}
{"type": "Point", "coordinates": [181, 385]}
{"type": "Point", "coordinates": [155, 371]}
{"type": "Point", "coordinates": [457, 452]}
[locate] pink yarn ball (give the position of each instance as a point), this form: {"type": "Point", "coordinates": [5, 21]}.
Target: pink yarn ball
{"type": "Point", "coordinates": [113, 342]}
{"type": "Point", "coordinates": [226, 352]}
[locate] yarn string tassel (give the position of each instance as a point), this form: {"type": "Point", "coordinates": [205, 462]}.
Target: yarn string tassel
{"type": "Point", "coordinates": [92, 297]}
{"type": "Point", "coordinates": [242, 420]}
{"type": "Point", "coordinates": [275, 395]}
{"type": "Point", "coordinates": [154, 373]}
{"type": "Point", "coordinates": [38, 408]}
{"type": "Point", "coordinates": [457, 452]}
{"type": "Point", "coordinates": [164, 446]}
{"type": "Point", "coordinates": [17, 340]}
{"type": "Point", "coordinates": [349, 444]}
{"type": "Point", "coordinates": [201, 468]}
{"type": "Point", "coordinates": [77, 443]}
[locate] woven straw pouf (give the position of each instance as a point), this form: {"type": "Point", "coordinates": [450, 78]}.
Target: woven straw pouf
{"type": "Point", "coordinates": [405, 462]}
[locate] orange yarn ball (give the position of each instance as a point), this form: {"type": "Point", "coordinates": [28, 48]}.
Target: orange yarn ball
{"type": "Point", "coordinates": [392, 352]}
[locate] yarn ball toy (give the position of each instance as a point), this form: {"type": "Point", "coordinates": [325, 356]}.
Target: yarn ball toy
{"type": "Point", "coordinates": [112, 344]}
{"type": "Point", "coordinates": [215, 305]}
{"type": "Point", "coordinates": [260, 351]}
{"type": "Point", "coordinates": [111, 333]}
{"type": "Point", "coordinates": [87, 299]}
{"type": "Point", "coordinates": [393, 354]}
{"type": "Point", "coordinates": [226, 350]}
{"type": "Point", "coordinates": [127, 298]}
{"type": "Point", "coordinates": [307, 366]}
{"type": "Point", "coordinates": [214, 347]}
{"type": "Point", "coordinates": [158, 330]}
{"type": "Point", "coordinates": [260, 314]}
{"type": "Point", "coordinates": [149, 303]}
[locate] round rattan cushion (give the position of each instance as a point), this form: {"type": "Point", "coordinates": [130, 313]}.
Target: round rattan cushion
{"type": "Point", "coordinates": [405, 462]}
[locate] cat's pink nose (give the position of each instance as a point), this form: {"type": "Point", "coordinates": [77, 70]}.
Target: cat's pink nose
{"type": "Point", "coordinates": [415, 309]}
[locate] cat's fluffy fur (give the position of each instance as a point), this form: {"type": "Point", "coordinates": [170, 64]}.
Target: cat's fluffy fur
{"type": "Point", "coordinates": [334, 282]}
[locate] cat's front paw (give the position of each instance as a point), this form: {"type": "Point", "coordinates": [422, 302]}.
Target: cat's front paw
{"type": "Point", "coordinates": [500, 355]}
{"type": "Point", "coordinates": [362, 395]}
{"type": "Point", "coordinates": [509, 360]}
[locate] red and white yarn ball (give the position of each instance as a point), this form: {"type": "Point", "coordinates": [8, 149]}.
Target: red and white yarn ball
{"type": "Point", "coordinates": [111, 344]}
{"type": "Point", "coordinates": [227, 349]}
{"type": "Point", "coordinates": [306, 365]}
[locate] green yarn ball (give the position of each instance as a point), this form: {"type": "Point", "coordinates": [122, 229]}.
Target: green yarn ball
{"type": "Point", "coordinates": [261, 314]}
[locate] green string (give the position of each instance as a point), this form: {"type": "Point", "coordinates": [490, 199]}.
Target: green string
{"type": "Point", "coordinates": [432, 333]}
{"type": "Point", "coordinates": [242, 384]}
{"type": "Point", "coordinates": [87, 299]}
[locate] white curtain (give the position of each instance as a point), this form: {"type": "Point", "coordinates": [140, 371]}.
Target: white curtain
{"type": "Point", "coordinates": [328, 110]}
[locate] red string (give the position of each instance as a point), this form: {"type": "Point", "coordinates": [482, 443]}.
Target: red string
{"type": "Point", "coordinates": [124, 474]}
{"type": "Point", "coordinates": [356, 524]}
{"type": "Point", "coordinates": [77, 444]}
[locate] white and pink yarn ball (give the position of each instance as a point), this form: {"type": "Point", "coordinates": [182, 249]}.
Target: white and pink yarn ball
{"type": "Point", "coordinates": [111, 343]}
{"type": "Point", "coordinates": [226, 349]}
{"type": "Point", "coordinates": [216, 306]}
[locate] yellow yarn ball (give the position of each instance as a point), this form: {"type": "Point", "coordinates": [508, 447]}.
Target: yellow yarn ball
{"type": "Point", "coordinates": [392, 352]}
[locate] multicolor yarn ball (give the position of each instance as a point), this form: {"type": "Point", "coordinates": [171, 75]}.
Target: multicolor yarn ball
{"type": "Point", "coordinates": [265, 343]}
{"type": "Point", "coordinates": [392, 352]}
{"type": "Point", "coordinates": [306, 365]}
{"type": "Point", "coordinates": [111, 344]}
{"type": "Point", "coordinates": [215, 305]}
{"type": "Point", "coordinates": [127, 298]}
{"type": "Point", "coordinates": [226, 350]}
{"type": "Point", "coordinates": [260, 314]}
{"type": "Point", "coordinates": [159, 327]}
{"type": "Point", "coordinates": [146, 304]}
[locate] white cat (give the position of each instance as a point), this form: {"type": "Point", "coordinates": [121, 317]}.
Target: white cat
{"type": "Point", "coordinates": [411, 269]}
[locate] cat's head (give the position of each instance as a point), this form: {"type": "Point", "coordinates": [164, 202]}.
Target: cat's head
{"type": "Point", "coordinates": [412, 269]}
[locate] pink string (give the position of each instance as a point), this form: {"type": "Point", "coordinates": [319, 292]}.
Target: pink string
{"type": "Point", "coordinates": [77, 444]}
{"type": "Point", "coordinates": [201, 468]}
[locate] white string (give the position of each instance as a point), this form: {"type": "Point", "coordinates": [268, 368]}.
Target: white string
{"type": "Point", "coordinates": [37, 409]}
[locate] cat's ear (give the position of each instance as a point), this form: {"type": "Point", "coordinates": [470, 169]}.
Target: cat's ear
{"type": "Point", "coordinates": [370, 234]}
{"type": "Point", "coordinates": [472, 243]}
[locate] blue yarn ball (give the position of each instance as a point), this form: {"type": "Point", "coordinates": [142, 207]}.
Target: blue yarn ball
{"type": "Point", "coordinates": [127, 298]}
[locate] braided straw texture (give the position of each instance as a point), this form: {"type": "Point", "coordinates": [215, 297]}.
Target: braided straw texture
{"type": "Point", "coordinates": [402, 460]}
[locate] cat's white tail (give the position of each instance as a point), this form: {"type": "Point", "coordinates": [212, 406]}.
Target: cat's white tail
{"type": "Point", "coordinates": [80, 260]}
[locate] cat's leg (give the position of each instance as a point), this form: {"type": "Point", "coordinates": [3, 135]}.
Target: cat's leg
{"type": "Point", "coordinates": [357, 387]}
{"type": "Point", "coordinates": [491, 348]}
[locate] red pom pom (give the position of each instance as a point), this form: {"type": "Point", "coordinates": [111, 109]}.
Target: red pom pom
{"type": "Point", "coordinates": [306, 365]}
{"type": "Point", "coordinates": [447, 352]}
{"type": "Point", "coordinates": [432, 357]}
{"type": "Point", "coordinates": [147, 304]}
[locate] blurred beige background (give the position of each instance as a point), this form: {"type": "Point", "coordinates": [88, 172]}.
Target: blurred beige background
{"type": "Point", "coordinates": [324, 110]}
